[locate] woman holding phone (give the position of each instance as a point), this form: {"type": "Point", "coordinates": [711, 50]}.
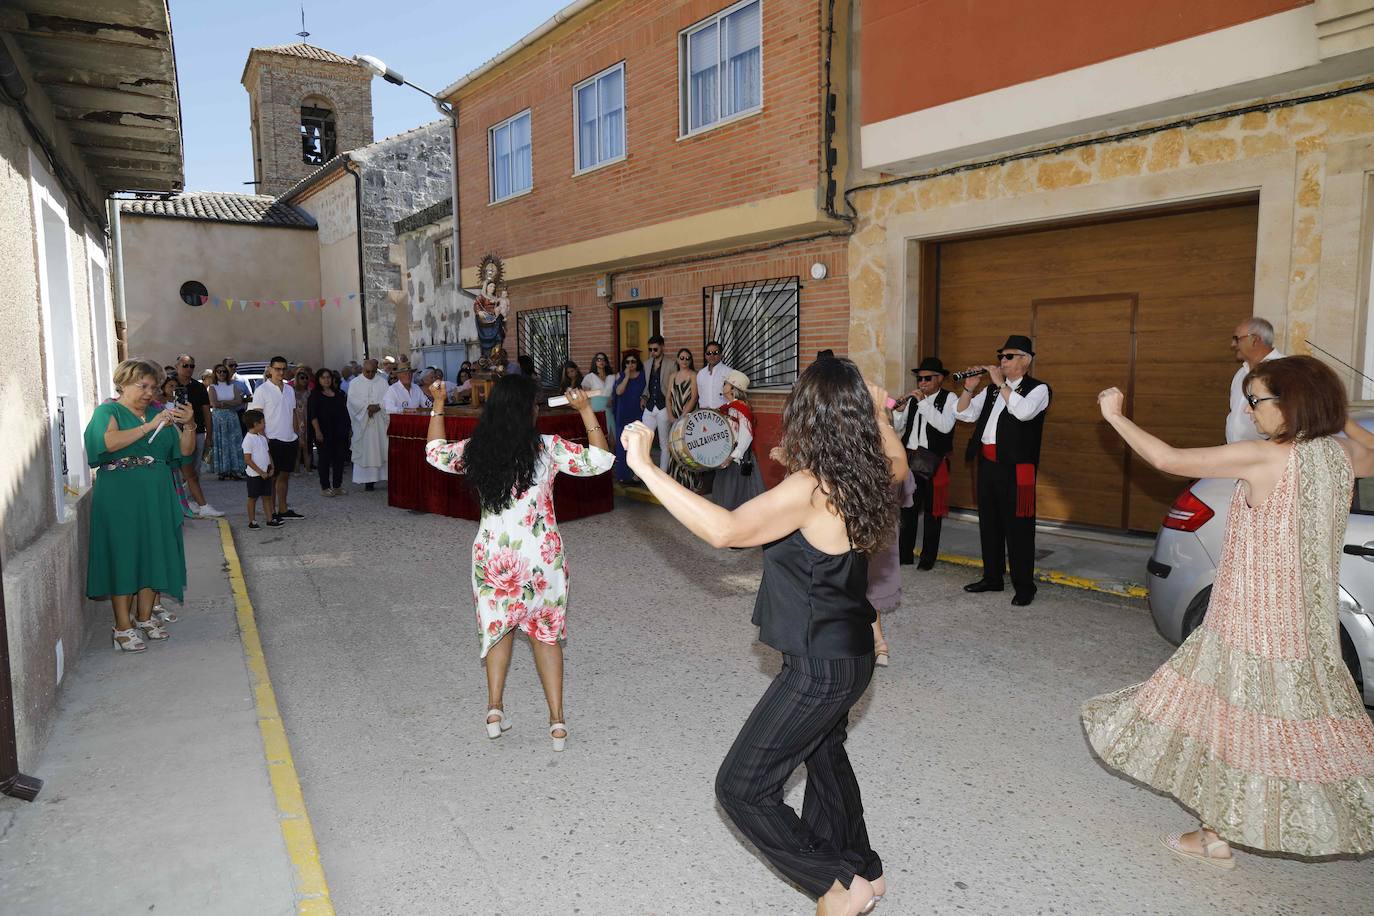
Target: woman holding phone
{"type": "Point", "coordinates": [834, 508]}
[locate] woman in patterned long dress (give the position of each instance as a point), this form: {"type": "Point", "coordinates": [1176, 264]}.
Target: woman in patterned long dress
{"type": "Point", "coordinates": [519, 577]}
{"type": "Point", "coordinates": [682, 398]}
{"type": "Point", "coordinates": [1255, 723]}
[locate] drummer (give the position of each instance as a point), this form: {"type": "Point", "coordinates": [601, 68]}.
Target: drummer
{"type": "Point", "coordinates": [737, 481]}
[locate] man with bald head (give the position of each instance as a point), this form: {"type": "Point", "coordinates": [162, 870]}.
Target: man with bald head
{"type": "Point", "coordinates": [366, 394]}
{"type": "Point", "coordinates": [1252, 343]}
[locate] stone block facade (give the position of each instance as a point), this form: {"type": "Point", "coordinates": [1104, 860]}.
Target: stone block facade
{"type": "Point", "coordinates": [1306, 161]}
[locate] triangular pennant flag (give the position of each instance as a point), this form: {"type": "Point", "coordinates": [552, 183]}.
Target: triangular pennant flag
{"type": "Point", "coordinates": [214, 300]}
{"type": "Point", "coordinates": [204, 299]}
{"type": "Point", "coordinates": [243, 304]}
{"type": "Point", "coordinates": [321, 303]}
{"type": "Point", "coordinates": [257, 304]}
{"type": "Point", "coordinates": [338, 300]}
{"type": "Point", "coordinates": [229, 303]}
{"type": "Point", "coordinates": [353, 295]}
{"type": "Point", "coordinates": [286, 305]}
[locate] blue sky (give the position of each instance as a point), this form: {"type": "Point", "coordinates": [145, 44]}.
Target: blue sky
{"type": "Point", "coordinates": [431, 42]}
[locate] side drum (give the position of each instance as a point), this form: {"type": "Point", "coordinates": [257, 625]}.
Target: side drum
{"type": "Point", "coordinates": [701, 440]}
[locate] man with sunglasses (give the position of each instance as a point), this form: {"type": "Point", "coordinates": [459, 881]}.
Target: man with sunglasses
{"type": "Point", "coordinates": [277, 401]}
{"type": "Point", "coordinates": [926, 421]}
{"type": "Point", "coordinates": [658, 381]}
{"type": "Point", "coordinates": [1009, 422]}
{"type": "Point", "coordinates": [711, 378]}
{"type": "Point", "coordinates": [199, 399]}
{"type": "Point", "coordinates": [1252, 344]}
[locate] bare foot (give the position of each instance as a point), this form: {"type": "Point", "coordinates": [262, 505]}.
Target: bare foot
{"type": "Point", "coordinates": [880, 886]}
{"type": "Point", "coordinates": [841, 902]}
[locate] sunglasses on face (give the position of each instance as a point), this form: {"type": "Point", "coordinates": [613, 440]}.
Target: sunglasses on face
{"type": "Point", "coordinates": [927, 378]}
{"type": "Point", "coordinates": [188, 365]}
{"type": "Point", "coordinates": [1007, 357]}
{"type": "Point", "coordinates": [1255, 402]}
{"type": "Point", "coordinates": [713, 353]}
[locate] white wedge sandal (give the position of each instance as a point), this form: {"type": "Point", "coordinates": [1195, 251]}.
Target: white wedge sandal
{"type": "Point", "coordinates": [495, 729]}
{"type": "Point", "coordinates": [559, 743]}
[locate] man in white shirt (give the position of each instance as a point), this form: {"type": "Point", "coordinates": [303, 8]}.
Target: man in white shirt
{"type": "Point", "coordinates": [926, 421]}
{"type": "Point", "coordinates": [365, 395]}
{"type": "Point", "coordinates": [404, 395]}
{"type": "Point", "coordinates": [1253, 343]}
{"type": "Point", "coordinates": [711, 378]}
{"type": "Point", "coordinates": [1010, 420]}
{"type": "Point", "coordinates": [277, 401]}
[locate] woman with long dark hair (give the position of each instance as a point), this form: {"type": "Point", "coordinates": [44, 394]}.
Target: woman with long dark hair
{"type": "Point", "coordinates": [326, 409]}
{"type": "Point", "coordinates": [819, 524]}
{"type": "Point", "coordinates": [519, 574]}
{"type": "Point", "coordinates": [628, 387]}
{"type": "Point", "coordinates": [1255, 724]}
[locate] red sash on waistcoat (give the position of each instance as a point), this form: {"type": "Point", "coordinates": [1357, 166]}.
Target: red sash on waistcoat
{"type": "Point", "coordinates": [1025, 483]}
{"type": "Point", "coordinates": [940, 489]}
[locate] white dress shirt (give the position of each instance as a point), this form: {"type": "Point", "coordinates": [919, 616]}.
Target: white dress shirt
{"type": "Point", "coordinates": [927, 417]}
{"type": "Point", "coordinates": [1239, 425]}
{"type": "Point", "coordinates": [278, 406]}
{"type": "Point", "coordinates": [1022, 408]}
{"type": "Point", "coordinates": [709, 384]}
{"type": "Point", "coordinates": [592, 384]}
{"type": "Point", "coordinates": [398, 398]}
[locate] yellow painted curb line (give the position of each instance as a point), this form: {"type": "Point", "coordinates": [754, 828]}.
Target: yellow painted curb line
{"type": "Point", "coordinates": [1053, 576]}
{"type": "Point", "coordinates": [312, 891]}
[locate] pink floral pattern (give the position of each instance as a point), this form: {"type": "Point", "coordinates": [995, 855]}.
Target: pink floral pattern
{"type": "Point", "coordinates": [519, 572]}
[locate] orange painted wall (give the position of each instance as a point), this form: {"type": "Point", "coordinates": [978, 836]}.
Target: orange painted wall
{"type": "Point", "coordinates": [916, 54]}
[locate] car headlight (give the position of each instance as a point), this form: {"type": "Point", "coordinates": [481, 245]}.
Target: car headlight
{"type": "Point", "coordinates": [1347, 602]}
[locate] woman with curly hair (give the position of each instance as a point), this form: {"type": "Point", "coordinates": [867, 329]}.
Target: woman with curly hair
{"type": "Point", "coordinates": [519, 576]}
{"type": "Point", "coordinates": [834, 508]}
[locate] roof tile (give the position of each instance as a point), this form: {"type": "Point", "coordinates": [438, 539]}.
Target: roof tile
{"type": "Point", "coordinates": [221, 207]}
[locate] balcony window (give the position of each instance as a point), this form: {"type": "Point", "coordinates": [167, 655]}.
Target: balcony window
{"type": "Point", "coordinates": [599, 110]}
{"type": "Point", "coordinates": [510, 155]}
{"type": "Point", "coordinates": [723, 67]}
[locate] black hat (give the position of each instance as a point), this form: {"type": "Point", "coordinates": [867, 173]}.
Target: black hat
{"type": "Point", "coordinates": [1018, 342]}
{"type": "Point", "coordinates": [930, 364]}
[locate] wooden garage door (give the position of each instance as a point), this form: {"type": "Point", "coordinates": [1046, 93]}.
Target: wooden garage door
{"type": "Point", "coordinates": [1147, 304]}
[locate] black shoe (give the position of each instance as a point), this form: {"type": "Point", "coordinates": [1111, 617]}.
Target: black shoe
{"type": "Point", "coordinates": [290, 513]}
{"type": "Point", "coordinates": [368, 487]}
{"type": "Point", "coordinates": [924, 565]}
{"type": "Point", "coordinates": [275, 523]}
{"type": "Point", "coordinates": [254, 526]}
{"type": "Point", "coordinates": [1023, 600]}
{"type": "Point", "coordinates": [906, 562]}
{"type": "Point", "coordinates": [983, 585]}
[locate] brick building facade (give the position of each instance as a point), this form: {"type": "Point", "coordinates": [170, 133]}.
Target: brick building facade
{"type": "Point", "coordinates": [648, 166]}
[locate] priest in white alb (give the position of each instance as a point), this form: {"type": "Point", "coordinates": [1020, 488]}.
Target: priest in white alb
{"type": "Point", "coordinates": [366, 394]}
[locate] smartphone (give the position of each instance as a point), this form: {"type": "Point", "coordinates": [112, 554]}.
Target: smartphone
{"type": "Point", "coordinates": [180, 394]}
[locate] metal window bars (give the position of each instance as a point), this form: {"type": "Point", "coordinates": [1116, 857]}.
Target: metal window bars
{"type": "Point", "coordinates": [543, 336]}
{"type": "Point", "coordinates": [62, 436]}
{"type": "Point", "coordinates": [758, 324]}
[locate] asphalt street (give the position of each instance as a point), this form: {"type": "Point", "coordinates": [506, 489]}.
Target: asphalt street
{"type": "Point", "coordinates": [980, 791]}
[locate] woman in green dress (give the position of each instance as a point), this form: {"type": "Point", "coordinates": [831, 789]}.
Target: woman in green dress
{"type": "Point", "coordinates": [136, 548]}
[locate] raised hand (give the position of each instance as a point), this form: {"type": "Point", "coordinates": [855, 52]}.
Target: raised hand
{"type": "Point", "coordinates": [971, 382]}
{"type": "Point", "coordinates": [438, 391]}
{"type": "Point", "coordinates": [1110, 402]}
{"type": "Point", "coordinates": [637, 440]}
{"type": "Point", "coordinates": [578, 400]}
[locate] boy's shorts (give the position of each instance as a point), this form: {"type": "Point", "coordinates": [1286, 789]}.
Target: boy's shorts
{"type": "Point", "coordinates": [259, 486]}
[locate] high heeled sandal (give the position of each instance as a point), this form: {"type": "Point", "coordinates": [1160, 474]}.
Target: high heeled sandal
{"type": "Point", "coordinates": [152, 629]}
{"type": "Point", "coordinates": [164, 615]}
{"type": "Point", "coordinates": [559, 743]}
{"type": "Point", "coordinates": [880, 655]}
{"type": "Point", "coordinates": [502, 724]}
{"type": "Point", "coordinates": [132, 642]}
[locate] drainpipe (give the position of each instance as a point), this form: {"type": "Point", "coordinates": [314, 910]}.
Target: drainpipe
{"type": "Point", "coordinates": [12, 782]}
{"type": "Point", "coordinates": [362, 286]}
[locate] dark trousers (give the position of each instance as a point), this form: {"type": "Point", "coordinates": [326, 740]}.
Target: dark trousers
{"type": "Point", "coordinates": [919, 512]}
{"type": "Point", "coordinates": [330, 457]}
{"type": "Point", "coordinates": [1003, 535]}
{"type": "Point", "coordinates": [803, 717]}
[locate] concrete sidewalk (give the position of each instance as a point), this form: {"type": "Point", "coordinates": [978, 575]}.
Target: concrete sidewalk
{"type": "Point", "coordinates": [156, 796]}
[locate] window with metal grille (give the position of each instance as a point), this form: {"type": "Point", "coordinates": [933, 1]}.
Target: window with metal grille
{"type": "Point", "coordinates": [543, 336]}
{"type": "Point", "coordinates": [757, 323]}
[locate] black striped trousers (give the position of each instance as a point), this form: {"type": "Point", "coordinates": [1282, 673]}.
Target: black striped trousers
{"type": "Point", "coordinates": [803, 717]}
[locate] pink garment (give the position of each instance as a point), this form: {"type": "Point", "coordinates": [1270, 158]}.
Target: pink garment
{"type": "Point", "coordinates": [884, 567]}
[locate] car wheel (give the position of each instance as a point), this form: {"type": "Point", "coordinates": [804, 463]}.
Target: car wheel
{"type": "Point", "coordinates": [1352, 661]}
{"type": "Point", "coordinates": [1192, 618]}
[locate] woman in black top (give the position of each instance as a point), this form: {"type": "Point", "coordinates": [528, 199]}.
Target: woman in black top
{"type": "Point", "coordinates": [326, 410]}
{"type": "Point", "coordinates": [835, 506]}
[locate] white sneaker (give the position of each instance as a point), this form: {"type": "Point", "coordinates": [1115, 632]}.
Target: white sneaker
{"type": "Point", "coordinates": [209, 511]}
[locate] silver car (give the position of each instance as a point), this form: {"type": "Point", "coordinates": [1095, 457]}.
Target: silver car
{"type": "Point", "coordinates": [1184, 564]}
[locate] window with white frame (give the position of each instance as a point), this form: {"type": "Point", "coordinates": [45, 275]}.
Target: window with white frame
{"type": "Point", "coordinates": [509, 152]}
{"type": "Point", "coordinates": [102, 318]}
{"type": "Point", "coordinates": [599, 113]}
{"type": "Point", "coordinates": [722, 66]}
{"type": "Point", "coordinates": [443, 259]}
{"type": "Point", "coordinates": [758, 325]}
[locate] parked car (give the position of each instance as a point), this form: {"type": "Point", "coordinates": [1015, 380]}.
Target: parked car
{"type": "Point", "coordinates": [252, 374]}
{"type": "Point", "coordinates": [1184, 565]}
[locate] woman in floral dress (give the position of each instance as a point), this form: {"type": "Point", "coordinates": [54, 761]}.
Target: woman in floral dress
{"type": "Point", "coordinates": [519, 577]}
{"type": "Point", "coordinates": [1255, 723]}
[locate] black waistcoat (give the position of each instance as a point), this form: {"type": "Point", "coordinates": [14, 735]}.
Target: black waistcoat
{"type": "Point", "coordinates": [938, 442]}
{"type": "Point", "coordinates": [1018, 442]}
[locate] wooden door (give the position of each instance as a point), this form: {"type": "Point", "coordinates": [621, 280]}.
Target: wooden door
{"type": "Point", "coordinates": [1088, 344]}
{"type": "Point", "coordinates": [1191, 275]}
{"type": "Point", "coordinates": [635, 325]}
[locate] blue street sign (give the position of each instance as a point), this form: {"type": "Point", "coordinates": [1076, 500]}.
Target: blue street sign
{"type": "Point", "coordinates": [634, 292]}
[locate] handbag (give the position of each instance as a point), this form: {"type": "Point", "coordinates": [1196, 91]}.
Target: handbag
{"type": "Point", "coordinates": [746, 464]}
{"type": "Point", "coordinates": [923, 462]}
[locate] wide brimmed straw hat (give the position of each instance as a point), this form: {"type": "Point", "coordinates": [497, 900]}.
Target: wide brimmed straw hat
{"type": "Point", "coordinates": [737, 380]}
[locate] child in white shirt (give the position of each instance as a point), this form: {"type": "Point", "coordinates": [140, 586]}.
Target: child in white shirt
{"type": "Point", "coordinates": [257, 459]}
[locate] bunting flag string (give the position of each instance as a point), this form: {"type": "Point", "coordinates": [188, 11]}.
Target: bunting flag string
{"type": "Point", "coordinates": [232, 303]}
